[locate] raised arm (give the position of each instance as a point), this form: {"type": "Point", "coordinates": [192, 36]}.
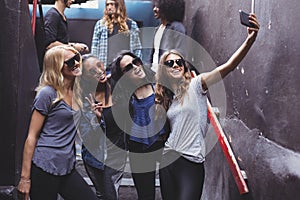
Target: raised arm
{"type": "Point", "coordinates": [209, 78]}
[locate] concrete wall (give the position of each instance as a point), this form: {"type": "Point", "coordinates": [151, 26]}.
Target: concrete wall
{"type": "Point", "coordinates": [262, 118]}
{"type": "Point", "coordinates": [18, 76]}
{"type": "Point", "coordinates": [262, 98]}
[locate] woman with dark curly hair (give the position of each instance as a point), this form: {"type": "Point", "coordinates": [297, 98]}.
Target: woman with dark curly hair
{"type": "Point", "coordinates": [103, 146]}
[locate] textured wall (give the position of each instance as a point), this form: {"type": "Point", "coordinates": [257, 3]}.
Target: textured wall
{"type": "Point", "coordinates": [262, 117]}
{"type": "Point", "coordinates": [262, 94]}
{"type": "Point", "coordinates": [18, 76]}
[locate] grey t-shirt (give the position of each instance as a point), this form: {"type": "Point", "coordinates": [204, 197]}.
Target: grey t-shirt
{"type": "Point", "coordinates": [188, 123]}
{"type": "Point", "coordinates": [54, 152]}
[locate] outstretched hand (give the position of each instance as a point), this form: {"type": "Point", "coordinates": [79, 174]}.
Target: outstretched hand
{"type": "Point", "coordinates": [252, 31]}
{"type": "Point", "coordinates": [96, 107]}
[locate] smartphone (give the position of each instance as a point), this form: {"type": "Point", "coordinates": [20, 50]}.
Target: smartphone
{"type": "Point", "coordinates": [244, 18]}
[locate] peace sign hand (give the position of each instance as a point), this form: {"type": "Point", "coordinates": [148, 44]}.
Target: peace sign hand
{"type": "Point", "coordinates": [96, 107]}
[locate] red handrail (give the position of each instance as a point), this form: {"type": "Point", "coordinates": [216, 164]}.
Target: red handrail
{"type": "Point", "coordinates": [233, 164]}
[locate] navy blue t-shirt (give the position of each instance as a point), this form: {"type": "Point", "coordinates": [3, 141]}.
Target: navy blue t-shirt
{"type": "Point", "coordinates": [146, 128]}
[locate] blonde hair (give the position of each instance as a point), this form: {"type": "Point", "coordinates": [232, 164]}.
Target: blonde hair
{"type": "Point", "coordinates": [120, 18]}
{"type": "Point", "coordinates": [164, 95]}
{"type": "Point", "coordinates": [52, 73]}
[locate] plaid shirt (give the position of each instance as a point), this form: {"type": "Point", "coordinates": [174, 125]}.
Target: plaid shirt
{"type": "Point", "coordinates": [100, 38]}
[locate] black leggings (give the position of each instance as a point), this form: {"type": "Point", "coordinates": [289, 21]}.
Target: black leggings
{"type": "Point", "coordinates": [47, 186]}
{"type": "Point", "coordinates": [181, 179]}
{"type": "Point", "coordinates": [143, 167]}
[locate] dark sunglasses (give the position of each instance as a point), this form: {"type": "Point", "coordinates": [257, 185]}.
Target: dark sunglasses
{"type": "Point", "coordinates": [71, 62]}
{"type": "Point", "coordinates": [135, 61]}
{"type": "Point", "coordinates": [95, 71]}
{"type": "Point", "coordinates": [170, 63]}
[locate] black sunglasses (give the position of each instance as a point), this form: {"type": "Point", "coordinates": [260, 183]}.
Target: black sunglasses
{"type": "Point", "coordinates": [170, 63]}
{"type": "Point", "coordinates": [71, 62]}
{"type": "Point", "coordinates": [96, 70]}
{"type": "Point", "coordinates": [136, 61]}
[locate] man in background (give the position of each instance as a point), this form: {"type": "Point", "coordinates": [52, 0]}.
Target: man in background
{"type": "Point", "coordinates": [56, 27]}
{"type": "Point", "coordinates": [170, 34]}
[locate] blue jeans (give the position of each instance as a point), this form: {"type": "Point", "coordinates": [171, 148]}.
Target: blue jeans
{"type": "Point", "coordinates": [106, 182]}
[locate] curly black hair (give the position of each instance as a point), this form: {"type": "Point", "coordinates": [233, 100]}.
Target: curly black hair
{"type": "Point", "coordinates": [172, 10]}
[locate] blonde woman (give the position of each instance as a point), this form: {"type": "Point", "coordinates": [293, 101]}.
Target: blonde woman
{"type": "Point", "coordinates": [48, 167]}
{"type": "Point", "coordinates": [184, 99]}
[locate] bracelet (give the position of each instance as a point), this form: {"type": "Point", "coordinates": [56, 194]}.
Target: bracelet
{"type": "Point", "coordinates": [23, 180]}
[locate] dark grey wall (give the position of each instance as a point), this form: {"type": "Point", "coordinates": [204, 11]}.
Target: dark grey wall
{"type": "Point", "coordinates": [262, 94]}
{"type": "Point", "coordinates": [18, 77]}
{"type": "Point", "coordinates": [262, 118]}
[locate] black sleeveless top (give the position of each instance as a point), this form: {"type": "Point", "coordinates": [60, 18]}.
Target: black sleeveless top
{"type": "Point", "coordinates": [118, 42]}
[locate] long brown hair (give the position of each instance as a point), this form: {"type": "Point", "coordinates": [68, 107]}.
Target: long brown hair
{"type": "Point", "coordinates": [120, 17]}
{"type": "Point", "coordinates": [163, 94]}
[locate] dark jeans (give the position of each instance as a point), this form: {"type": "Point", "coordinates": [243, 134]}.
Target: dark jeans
{"type": "Point", "coordinates": [106, 181]}
{"type": "Point", "coordinates": [96, 176]}
{"type": "Point", "coordinates": [180, 179]}
{"type": "Point", "coordinates": [47, 186]}
{"type": "Point", "coordinates": [143, 165]}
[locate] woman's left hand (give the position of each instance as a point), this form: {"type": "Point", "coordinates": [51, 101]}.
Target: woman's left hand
{"type": "Point", "coordinates": [252, 31]}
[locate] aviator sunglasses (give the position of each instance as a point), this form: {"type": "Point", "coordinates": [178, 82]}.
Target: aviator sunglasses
{"type": "Point", "coordinates": [71, 62]}
{"type": "Point", "coordinates": [170, 63]}
{"type": "Point", "coordinates": [135, 61]}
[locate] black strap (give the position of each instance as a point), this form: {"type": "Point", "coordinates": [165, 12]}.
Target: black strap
{"type": "Point", "coordinates": [129, 22]}
{"type": "Point", "coordinates": [41, 15]}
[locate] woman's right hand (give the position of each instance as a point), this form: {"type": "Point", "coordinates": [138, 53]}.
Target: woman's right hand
{"type": "Point", "coordinates": [24, 188]}
{"type": "Point", "coordinates": [96, 107]}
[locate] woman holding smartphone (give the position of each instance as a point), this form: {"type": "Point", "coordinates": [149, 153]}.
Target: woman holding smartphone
{"type": "Point", "coordinates": [185, 101]}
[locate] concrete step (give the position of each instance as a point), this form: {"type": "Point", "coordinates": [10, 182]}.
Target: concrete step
{"type": "Point", "coordinates": [124, 182]}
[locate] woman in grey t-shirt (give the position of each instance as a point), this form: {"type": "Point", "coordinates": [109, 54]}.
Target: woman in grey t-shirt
{"type": "Point", "coordinates": [184, 99]}
{"type": "Point", "coordinates": [48, 167]}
